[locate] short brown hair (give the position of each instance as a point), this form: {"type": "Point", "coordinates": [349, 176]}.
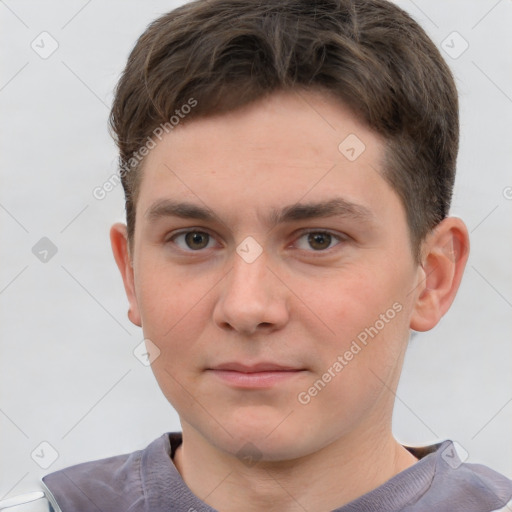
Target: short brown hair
{"type": "Point", "coordinates": [368, 53]}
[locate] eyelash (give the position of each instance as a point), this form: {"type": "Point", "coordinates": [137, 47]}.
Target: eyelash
{"type": "Point", "coordinates": [340, 238]}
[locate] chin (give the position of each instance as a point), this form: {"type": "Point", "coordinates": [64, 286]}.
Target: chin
{"type": "Point", "coordinates": [269, 438]}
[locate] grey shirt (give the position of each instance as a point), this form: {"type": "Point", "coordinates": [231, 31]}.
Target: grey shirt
{"type": "Point", "coordinates": [147, 480]}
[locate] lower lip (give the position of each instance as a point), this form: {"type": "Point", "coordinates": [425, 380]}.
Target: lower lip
{"type": "Point", "coordinates": [256, 379]}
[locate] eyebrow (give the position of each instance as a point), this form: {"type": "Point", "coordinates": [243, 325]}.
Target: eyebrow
{"type": "Point", "coordinates": [299, 211]}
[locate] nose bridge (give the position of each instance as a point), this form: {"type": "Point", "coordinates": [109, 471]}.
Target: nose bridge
{"type": "Point", "coordinates": [250, 296]}
{"type": "Point", "coordinates": [249, 277]}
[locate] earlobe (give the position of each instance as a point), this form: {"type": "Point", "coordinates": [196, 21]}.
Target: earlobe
{"type": "Point", "coordinates": [444, 258]}
{"type": "Point", "coordinates": [119, 242]}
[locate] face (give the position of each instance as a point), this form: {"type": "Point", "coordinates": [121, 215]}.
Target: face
{"type": "Point", "coordinates": [272, 268]}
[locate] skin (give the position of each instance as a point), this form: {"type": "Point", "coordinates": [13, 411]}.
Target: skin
{"type": "Point", "coordinates": [299, 303]}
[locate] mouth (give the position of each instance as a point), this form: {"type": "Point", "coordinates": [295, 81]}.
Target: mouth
{"type": "Point", "coordinates": [261, 375]}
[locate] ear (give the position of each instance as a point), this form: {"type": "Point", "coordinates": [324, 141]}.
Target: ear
{"type": "Point", "coordinates": [120, 248]}
{"type": "Point", "coordinates": [445, 252]}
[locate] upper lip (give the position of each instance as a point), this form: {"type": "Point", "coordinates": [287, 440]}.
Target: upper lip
{"type": "Point", "coordinates": [254, 368]}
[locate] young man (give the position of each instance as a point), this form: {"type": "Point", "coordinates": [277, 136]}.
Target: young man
{"type": "Point", "coordinates": [288, 169]}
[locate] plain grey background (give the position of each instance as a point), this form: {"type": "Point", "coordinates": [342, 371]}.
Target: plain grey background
{"type": "Point", "coordinates": [69, 378]}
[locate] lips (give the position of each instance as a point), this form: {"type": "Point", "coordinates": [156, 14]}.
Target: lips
{"type": "Point", "coordinates": [254, 368]}
{"type": "Point", "coordinates": [254, 376]}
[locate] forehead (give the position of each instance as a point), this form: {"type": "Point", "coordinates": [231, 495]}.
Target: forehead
{"type": "Point", "coordinates": [287, 147]}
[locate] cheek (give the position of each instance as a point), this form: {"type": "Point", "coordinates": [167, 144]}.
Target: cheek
{"type": "Point", "coordinates": [361, 360]}
{"type": "Point", "coordinates": [165, 296]}
{"type": "Point", "coordinates": [173, 311]}
{"type": "Point", "coordinates": [174, 317]}
{"type": "Point", "coordinates": [355, 301]}
{"type": "Point", "coordinates": [367, 315]}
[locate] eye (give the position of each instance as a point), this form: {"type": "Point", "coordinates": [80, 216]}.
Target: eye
{"type": "Point", "coordinates": [193, 240]}
{"type": "Point", "coordinates": [318, 241]}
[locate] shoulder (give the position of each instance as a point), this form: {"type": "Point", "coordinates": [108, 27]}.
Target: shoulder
{"type": "Point", "coordinates": [113, 483]}
{"type": "Point", "coordinates": [96, 485]}
{"type": "Point", "coordinates": [465, 486]}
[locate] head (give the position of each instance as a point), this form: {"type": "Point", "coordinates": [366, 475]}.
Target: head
{"type": "Point", "coordinates": [327, 133]}
{"type": "Point", "coordinates": [207, 58]}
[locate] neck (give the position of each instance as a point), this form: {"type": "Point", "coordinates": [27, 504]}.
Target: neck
{"type": "Point", "coordinates": [322, 481]}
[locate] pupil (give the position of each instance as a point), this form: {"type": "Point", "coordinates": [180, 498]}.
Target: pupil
{"type": "Point", "coordinates": [319, 240]}
{"type": "Point", "coordinates": [196, 240]}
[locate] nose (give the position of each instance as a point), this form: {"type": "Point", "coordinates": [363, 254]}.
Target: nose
{"type": "Point", "coordinates": [252, 298]}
